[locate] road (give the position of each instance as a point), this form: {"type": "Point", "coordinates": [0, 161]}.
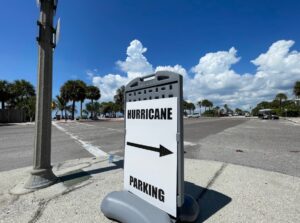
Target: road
{"type": "Point", "coordinates": [266, 144]}
{"type": "Point", "coordinates": [269, 145]}
{"type": "Point", "coordinates": [16, 146]}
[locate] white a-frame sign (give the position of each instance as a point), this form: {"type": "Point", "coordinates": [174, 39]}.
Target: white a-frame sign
{"type": "Point", "coordinates": [153, 168]}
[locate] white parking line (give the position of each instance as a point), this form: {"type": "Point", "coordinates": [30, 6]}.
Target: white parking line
{"type": "Point", "coordinates": [94, 150]}
{"type": "Point", "coordinates": [81, 123]}
{"type": "Point", "coordinates": [111, 129]}
{"type": "Point", "coordinates": [189, 143]}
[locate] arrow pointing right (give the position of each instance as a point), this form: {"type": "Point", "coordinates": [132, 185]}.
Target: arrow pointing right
{"type": "Point", "coordinates": [163, 151]}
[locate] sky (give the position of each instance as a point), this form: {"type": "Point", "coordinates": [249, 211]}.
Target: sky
{"type": "Point", "coordinates": [228, 51]}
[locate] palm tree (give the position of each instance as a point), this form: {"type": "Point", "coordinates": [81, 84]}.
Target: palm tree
{"type": "Point", "coordinates": [82, 96]}
{"type": "Point", "coordinates": [54, 106]}
{"type": "Point", "coordinates": [239, 111]}
{"type": "Point", "coordinates": [29, 107]}
{"type": "Point", "coordinates": [93, 108]}
{"type": "Point", "coordinates": [210, 105]}
{"type": "Point", "coordinates": [107, 107]}
{"type": "Point", "coordinates": [205, 104]}
{"type": "Point", "coordinates": [85, 112]}
{"type": "Point", "coordinates": [263, 105]}
{"type": "Point", "coordinates": [22, 97]}
{"type": "Point", "coordinates": [21, 90]}
{"type": "Point", "coordinates": [4, 92]}
{"type": "Point", "coordinates": [226, 108]}
{"type": "Point", "coordinates": [280, 97]}
{"type": "Point", "coordinates": [296, 89]}
{"type": "Point", "coordinates": [93, 93]}
{"type": "Point", "coordinates": [199, 103]}
{"type": "Point", "coordinates": [61, 105]}
{"type": "Point", "coordinates": [73, 90]}
{"type": "Point", "coordinates": [191, 107]}
{"type": "Point", "coordinates": [119, 98]}
{"type": "Point", "coordinates": [185, 106]}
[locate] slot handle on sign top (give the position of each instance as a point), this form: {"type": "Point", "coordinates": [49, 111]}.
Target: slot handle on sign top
{"type": "Point", "coordinates": [160, 76]}
{"type": "Point", "coordinates": [147, 78]}
{"type": "Point", "coordinates": [153, 76]}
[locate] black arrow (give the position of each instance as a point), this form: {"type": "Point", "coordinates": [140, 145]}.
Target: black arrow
{"type": "Point", "coordinates": [163, 151]}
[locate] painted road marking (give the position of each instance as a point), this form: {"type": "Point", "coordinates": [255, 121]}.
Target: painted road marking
{"type": "Point", "coordinates": [186, 143]}
{"type": "Point", "coordinates": [94, 150]}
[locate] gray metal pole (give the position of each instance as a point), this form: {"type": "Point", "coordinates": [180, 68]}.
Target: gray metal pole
{"type": "Point", "coordinates": [42, 175]}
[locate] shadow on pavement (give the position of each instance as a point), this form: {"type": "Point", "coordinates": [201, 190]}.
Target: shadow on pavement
{"type": "Point", "coordinates": [210, 201]}
{"type": "Point", "coordinates": [78, 176]}
{"type": "Point", "coordinates": [117, 165]}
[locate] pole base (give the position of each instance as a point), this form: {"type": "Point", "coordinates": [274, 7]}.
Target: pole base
{"type": "Point", "coordinates": [41, 178]}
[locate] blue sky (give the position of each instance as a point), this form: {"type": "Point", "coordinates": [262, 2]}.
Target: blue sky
{"type": "Point", "coordinates": [96, 34]}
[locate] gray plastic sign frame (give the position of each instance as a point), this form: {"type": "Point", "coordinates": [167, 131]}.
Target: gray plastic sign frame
{"type": "Point", "coordinates": [162, 84]}
{"type": "Point", "coordinates": [127, 207]}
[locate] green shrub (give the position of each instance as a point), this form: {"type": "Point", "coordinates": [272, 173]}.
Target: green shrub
{"type": "Point", "coordinates": [209, 113]}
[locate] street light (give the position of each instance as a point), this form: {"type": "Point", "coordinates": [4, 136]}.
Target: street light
{"type": "Point", "coordinates": [42, 175]}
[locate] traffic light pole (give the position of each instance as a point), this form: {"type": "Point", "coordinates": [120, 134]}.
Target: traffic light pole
{"type": "Point", "coordinates": [42, 175]}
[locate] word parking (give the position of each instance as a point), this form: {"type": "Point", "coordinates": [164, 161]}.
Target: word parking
{"type": "Point", "coordinates": [147, 188]}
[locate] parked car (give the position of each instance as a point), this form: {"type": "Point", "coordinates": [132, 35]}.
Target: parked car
{"type": "Point", "coordinates": [271, 116]}
{"type": "Point", "coordinates": [267, 114]}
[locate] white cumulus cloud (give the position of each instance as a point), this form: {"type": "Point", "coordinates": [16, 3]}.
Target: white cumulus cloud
{"type": "Point", "coordinates": [214, 78]}
{"type": "Point", "coordinates": [136, 63]}
{"type": "Point", "coordinates": [177, 69]}
{"type": "Point", "coordinates": [108, 85]}
{"type": "Point", "coordinates": [279, 67]}
{"type": "Point", "coordinates": [277, 71]}
{"type": "Point", "coordinates": [218, 62]}
{"type": "Point", "coordinates": [279, 58]}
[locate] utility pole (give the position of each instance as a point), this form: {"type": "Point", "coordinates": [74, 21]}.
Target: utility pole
{"type": "Point", "coordinates": [42, 175]}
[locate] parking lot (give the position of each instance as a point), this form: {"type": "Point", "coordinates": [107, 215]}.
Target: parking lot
{"type": "Point", "coordinates": [265, 144]}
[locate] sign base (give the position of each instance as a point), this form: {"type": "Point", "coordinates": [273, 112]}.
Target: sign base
{"type": "Point", "coordinates": [126, 207]}
{"type": "Point", "coordinates": [189, 211]}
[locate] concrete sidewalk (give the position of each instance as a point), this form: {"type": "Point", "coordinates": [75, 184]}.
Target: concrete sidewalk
{"type": "Point", "coordinates": [295, 120]}
{"type": "Point", "coordinates": [225, 192]}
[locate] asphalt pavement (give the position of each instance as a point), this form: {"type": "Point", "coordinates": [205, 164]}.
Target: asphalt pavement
{"type": "Point", "coordinates": [16, 146]}
{"type": "Point", "coordinates": [265, 144]}
{"type": "Point", "coordinates": [225, 192]}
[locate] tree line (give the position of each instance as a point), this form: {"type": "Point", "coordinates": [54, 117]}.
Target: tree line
{"type": "Point", "coordinates": [209, 109]}
{"type": "Point", "coordinates": [20, 95]}
{"type": "Point", "coordinates": [74, 91]}
{"type": "Point", "coordinates": [281, 105]}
